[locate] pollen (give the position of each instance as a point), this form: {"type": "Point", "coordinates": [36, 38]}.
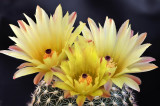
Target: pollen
{"type": "Point", "coordinates": [48, 53]}
{"type": "Point", "coordinates": [110, 62]}
{"type": "Point", "coordinates": [85, 77]}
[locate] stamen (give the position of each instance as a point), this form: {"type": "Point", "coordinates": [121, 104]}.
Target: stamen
{"type": "Point", "coordinates": [85, 77]}
{"type": "Point", "coordinates": [89, 41]}
{"type": "Point", "coordinates": [48, 53]}
{"type": "Point", "coordinates": [110, 62]}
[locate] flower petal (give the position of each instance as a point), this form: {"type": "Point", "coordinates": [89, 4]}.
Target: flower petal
{"type": "Point", "coordinates": [108, 85]}
{"type": "Point", "coordinates": [62, 85]}
{"type": "Point", "coordinates": [25, 71]}
{"type": "Point", "coordinates": [134, 56]}
{"type": "Point", "coordinates": [76, 33]}
{"type": "Point", "coordinates": [56, 69]}
{"type": "Point", "coordinates": [146, 60]}
{"type": "Point", "coordinates": [60, 76]}
{"type": "Point", "coordinates": [38, 14]}
{"type": "Point", "coordinates": [87, 33]}
{"type": "Point", "coordinates": [67, 94]}
{"type": "Point", "coordinates": [72, 18]}
{"type": "Point", "coordinates": [73, 93]}
{"type": "Point", "coordinates": [21, 24]}
{"type": "Point", "coordinates": [38, 77]}
{"type": "Point", "coordinates": [58, 14]}
{"type": "Point", "coordinates": [141, 38]}
{"type": "Point", "coordinates": [106, 94]}
{"type": "Point", "coordinates": [119, 81]}
{"type": "Point", "coordinates": [90, 98]}
{"type": "Point", "coordinates": [14, 47]}
{"type": "Point", "coordinates": [80, 100]}
{"type": "Point", "coordinates": [97, 93]}
{"type": "Point", "coordinates": [136, 79]}
{"type": "Point", "coordinates": [15, 54]}
{"type": "Point", "coordinates": [48, 77]}
{"type": "Point", "coordinates": [144, 67]}
{"type": "Point", "coordinates": [25, 65]}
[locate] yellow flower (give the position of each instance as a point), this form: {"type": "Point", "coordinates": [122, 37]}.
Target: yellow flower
{"type": "Point", "coordinates": [42, 44]}
{"type": "Point", "coordinates": [84, 74]}
{"type": "Point", "coordinates": [122, 50]}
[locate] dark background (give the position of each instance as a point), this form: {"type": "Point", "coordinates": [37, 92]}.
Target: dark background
{"type": "Point", "coordinates": [144, 16]}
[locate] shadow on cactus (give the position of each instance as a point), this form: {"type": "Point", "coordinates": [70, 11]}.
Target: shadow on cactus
{"type": "Point", "coordinates": [87, 70]}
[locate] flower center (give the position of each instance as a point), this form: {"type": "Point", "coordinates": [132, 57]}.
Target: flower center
{"type": "Point", "coordinates": [110, 62]}
{"type": "Point", "coordinates": [85, 77]}
{"type": "Point", "coordinates": [108, 58]}
{"type": "Point", "coordinates": [48, 53]}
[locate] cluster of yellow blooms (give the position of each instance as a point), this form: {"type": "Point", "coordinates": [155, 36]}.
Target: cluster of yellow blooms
{"type": "Point", "coordinates": [86, 65]}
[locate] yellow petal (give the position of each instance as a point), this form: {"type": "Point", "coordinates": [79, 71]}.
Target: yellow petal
{"type": "Point", "coordinates": [106, 94]}
{"type": "Point", "coordinates": [110, 36]}
{"type": "Point", "coordinates": [134, 56]}
{"type": "Point", "coordinates": [17, 32]}
{"type": "Point", "coordinates": [93, 26]}
{"type": "Point", "coordinates": [119, 81]}
{"type": "Point", "coordinates": [73, 93]}
{"type": "Point", "coordinates": [76, 33]}
{"type": "Point", "coordinates": [97, 93]}
{"type": "Point", "coordinates": [144, 67]}
{"type": "Point", "coordinates": [87, 33]}
{"type": "Point", "coordinates": [15, 48]}
{"type": "Point", "coordinates": [131, 83]}
{"type": "Point", "coordinates": [123, 28]}
{"type": "Point", "coordinates": [62, 85]}
{"type": "Point", "coordinates": [58, 14]}
{"type": "Point", "coordinates": [146, 60]}
{"type": "Point", "coordinates": [43, 67]}
{"type": "Point", "coordinates": [38, 77]}
{"type": "Point", "coordinates": [141, 38]}
{"type": "Point", "coordinates": [65, 68]}
{"type": "Point", "coordinates": [60, 76]}
{"type": "Point", "coordinates": [48, 77]}
{"type": "Point", "coordinates": [38, 14]}
{"type": "Point", "coordinates": [36, 62]}
{"type": "Point", "coordinates": [136, 79]}
{"type": "Point", "coordinates": [67, 94]}
{"type": "Point", "coordinates": [80, 100]}
{"type": "Point", "coordinates": [30, 21]}
{"type": "Point", "coordinates": [25, 71]}
{"type": "Point", "coordinates": [128, 70]}
{"type": "Point", "coordinates": [26, 64]}
{"type": "Point", "coordinates": [72, 18]}
{"type": "Point", "coordinates": [19, 55]}
{"type": "Point", "coordinates": [21, 24]}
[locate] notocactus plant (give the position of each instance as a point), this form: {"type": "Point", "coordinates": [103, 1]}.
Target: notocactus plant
{"type": "Point", "coordinates": [87, 66]}
{"type": "Point", "coordinates": [46, 95]}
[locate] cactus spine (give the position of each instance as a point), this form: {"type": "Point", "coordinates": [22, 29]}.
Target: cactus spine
{"type": "Point", "coordinates": [46, 95]}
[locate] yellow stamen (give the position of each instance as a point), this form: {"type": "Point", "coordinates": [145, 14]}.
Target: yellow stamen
{"type": "Point", "coordinates": [48, 53]}
{"type": "Point", "coordinates": [111, 64]}
{"type": "Point", "coordinates": [85, 77]}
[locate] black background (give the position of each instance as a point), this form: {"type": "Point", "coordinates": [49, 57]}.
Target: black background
{"type": "Point", "coordinates": [144, 16]}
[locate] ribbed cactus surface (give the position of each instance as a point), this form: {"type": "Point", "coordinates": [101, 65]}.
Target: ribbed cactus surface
{"type": "Point", "coordinates": [46, 95]}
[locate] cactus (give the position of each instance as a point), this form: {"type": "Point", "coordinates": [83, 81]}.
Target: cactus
{"type": "Point", "coordinates": [46, 95]}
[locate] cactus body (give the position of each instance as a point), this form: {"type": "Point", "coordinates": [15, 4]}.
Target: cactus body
{"type": "Point", "coordinates": [46, 95]}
